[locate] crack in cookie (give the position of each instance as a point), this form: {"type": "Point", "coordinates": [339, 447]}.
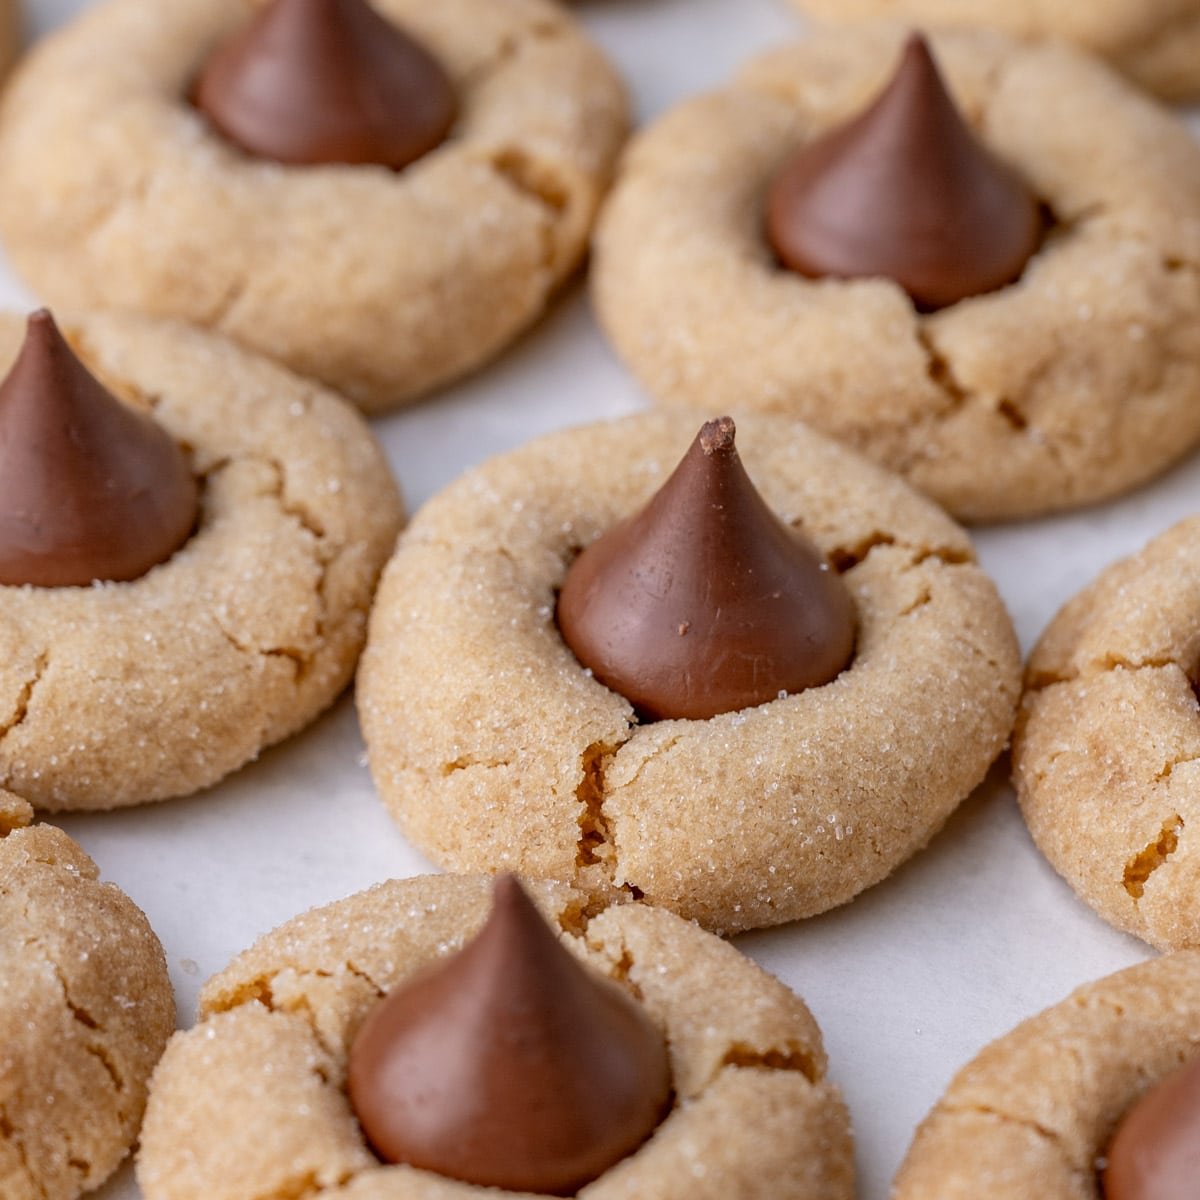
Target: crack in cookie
{"type": "Point", "coordinates": [1108, 740]}
{"type": "Point", "coordinates": [25, 697]}
{"type": "Point", "coordinates": [1139, 868]}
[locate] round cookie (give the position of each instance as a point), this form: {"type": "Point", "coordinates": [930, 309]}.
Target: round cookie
{"type": "Point", "coordinates": [85, 1011]}
{"type": "Point", "coordinates": [120, 693]}
{"type": "Point", "coordinates": [1034, 1111]}
{"type": "Point", "coordinates": [1077, 382]}
{"type": "Point", "coordinates": [1154, 42]}
{"type": "Point", "coordinates": [496, 750]}
{"type": "Point", "coordinates": [754, 1114]}
{"type": "Point", "coordinates": [1106, 760]}
{"type": "Point", "coordinates": [382, 285]}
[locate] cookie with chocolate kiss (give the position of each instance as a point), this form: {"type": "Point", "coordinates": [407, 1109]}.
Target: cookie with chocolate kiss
{"type": "Point", "coordinates": [291, 208]}
{"type": "Point", "coordinates": [92, 489]}
{"type": "Point", "coordinates": [705, 602]}
{"type": "Point", "coordinates": [255, 1095]}
{"type": "Point", "coordinates": [1054, 382]}
{"type": "Point", "coordinates": [326, 81]}
{"type": "Point", "coordinates": [510, 1065]}
{"type": "Point", "coordinates": [527, 760]}
{"type": "Point", "coordinates": [1155, 1154]}
{"type": "Point", "coordinates": [906, 191]}
{"type": "Point", "coordinates": [1033, 1113]}
{"type": "Point", "coordinates": [164, 681]}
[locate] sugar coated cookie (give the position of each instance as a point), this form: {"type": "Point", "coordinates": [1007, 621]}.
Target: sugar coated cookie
{"type": "Point", "coordinates": [1034, 1112]}
{"type": "Point", "coordinates": [85, 1011]}
{"type": "Point", "coordinates": [1106, 761]}
{"type": "Point", "coordinates": [1154, 42]}
{"type": "Point", "coordinates": [497, 750]}
{"type": "Point", "coordinates": [255, 1096]}
{"type": "Point", "coordinates": [1076, 382]}
{"type": "Point", "coordinates": [121, 692]}
{"type": "Point", "coordinates": [382, 283]}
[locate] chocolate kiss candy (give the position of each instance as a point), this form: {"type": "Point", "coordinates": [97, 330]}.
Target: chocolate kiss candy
{"type": "Point", "coordinates": [1155, 1154]}
{"type": "Point", "coordinates": [326, 81]}
{"type": "Point", "coordinates": [510, 1065]}
{"type": "Point", "coordinates": [705, 602]}
{"type": "Point", "coordinates": [907, 192]}
{"type": "Point", "coordinates": [89, 488]}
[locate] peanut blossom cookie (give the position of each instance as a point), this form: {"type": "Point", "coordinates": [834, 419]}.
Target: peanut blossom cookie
{"type": "Point", "coordinates": [370, 1051]}
{"type": "Point", "coordinates": [940, 278]}
{"type": "Point", "coordinates": [1155, 42]}
{"type": "Point", "coordinates": [190, 537]}
{"type": "Point", "coordinates": [745, 737]}
{"type": "Point", "coordinates": [382, 196]}
{"type": "Point", "coordinates": [1097, 1098]}
{"type": "Point", "coordinates": [85, 1011]}
{"type": "Point", "coordinates": [1106, 761]}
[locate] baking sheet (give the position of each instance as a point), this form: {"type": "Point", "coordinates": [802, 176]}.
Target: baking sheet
{"type": "Point", "coordinates": [908, 981]}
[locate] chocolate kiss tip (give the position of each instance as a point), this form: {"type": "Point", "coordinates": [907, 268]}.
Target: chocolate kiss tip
{"type": "Point", "coordinates": [905, 191]}
{"type": "Point", "coordinates": [1154, 1154]}
{"type": "Point", "coordinates": [308, 82]}
{"type": "Point", "coordinates": [706, 556]}
{"type": "Point", "coordinates": [507, 889]}
{"type": "Point", "coordinates": [509, 1064]}
{"type": "Point", "coordinates": [916, 46]}
{"type": "Point", "coordinates": [717, 435]}
{"type": "Point", "coordinates": [92, 489]}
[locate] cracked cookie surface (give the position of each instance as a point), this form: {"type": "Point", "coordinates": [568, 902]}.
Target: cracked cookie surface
{"type": "Point", "coordinates": [382, 285]}
{"type": "Point", "coordinates": [1106, 760]}
{"type": "Point", "coordinates": [522, 761]}
{"type": "Point", "coordinates": [1075, 383]}
{"type": "Point", "coordinates": [1035, 1110]}
{"type": "Point", "coordinates": [120, 693]}
{"type": "Point", "coordinates": [1155, 42]}
{"type": "Point", "coordinates": [85, 1011]}
{"type": "Point", "coordinates": [755, 1115]}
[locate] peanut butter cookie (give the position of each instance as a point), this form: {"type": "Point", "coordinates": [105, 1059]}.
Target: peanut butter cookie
{"type": "Point", "coordinates": [1106, 760]}
{"type": "Point", "coordinates": [1155, 42]}
{"type": "Point", "coordinates": [122, 692]}
{"type": "Point", "coordinates": [116, 192]}
{"type": "Point", "coordinates": [1033, 1113]}
{"type": "Point", "coordinates": [496, 749]}
{"type": "Point", "coordinates": [85, 1011]}
{"type": "Point", "coordinates": [254, 1098]}
{"type": "Point", "coordinates": [1076, 382]}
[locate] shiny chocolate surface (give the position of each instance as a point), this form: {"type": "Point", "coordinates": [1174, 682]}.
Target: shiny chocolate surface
{"type": "Point", "coordinates": [705, 602]}
{"type": "Point", "coordinates": [90, 489]}
{"type": "Point", "coordinates": [905, 191]}
{"type": "Point", "coordinates": [308, 82]}
{"type": "Point", "coordinates": [510, 1064]}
